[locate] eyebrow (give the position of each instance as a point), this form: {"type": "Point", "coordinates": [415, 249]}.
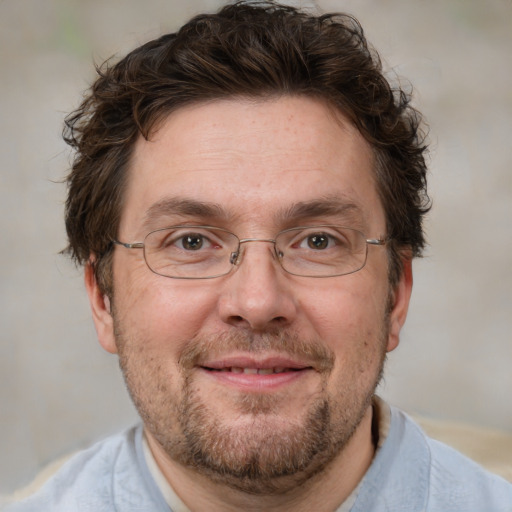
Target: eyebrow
{"type": "Point", "coordinates": [183, 207]}
{"type": "Point", "coordinates": [332, 206]}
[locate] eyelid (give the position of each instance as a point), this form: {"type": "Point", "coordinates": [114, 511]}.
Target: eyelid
{"type": "Point", "coordinates": [329, 233]}
{"type": "Point", "coordinates": [327, 229]}
{"type": "Point", "coordinates": [335, 224]}
{"type": "Point", "coordinates": [176, 233]}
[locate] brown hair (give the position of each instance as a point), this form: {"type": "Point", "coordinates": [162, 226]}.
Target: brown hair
{"type": "Point", "coordinates": [252, 50]}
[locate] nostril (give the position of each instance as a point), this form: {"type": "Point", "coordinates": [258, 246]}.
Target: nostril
{"type": "Point", "coordinates": [245, 323]}
{"type": "Point", "coordinates": [236, 319]}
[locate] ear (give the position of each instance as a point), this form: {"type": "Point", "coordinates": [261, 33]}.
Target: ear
{"type": "Point", "coordinates": [101, 313]}
{"type": "Point", "coordinates": [400, 297]}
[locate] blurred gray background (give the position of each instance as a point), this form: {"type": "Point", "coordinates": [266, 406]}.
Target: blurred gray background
{"type": "Point", "coordinates": [60, 391]}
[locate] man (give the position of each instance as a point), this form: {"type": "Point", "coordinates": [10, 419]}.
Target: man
{"type": "Point", "coordinates": [247, 197]}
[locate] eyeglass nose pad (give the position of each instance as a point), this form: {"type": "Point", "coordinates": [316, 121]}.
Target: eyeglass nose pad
{"type": "Point", "coordinates": [233, 259]}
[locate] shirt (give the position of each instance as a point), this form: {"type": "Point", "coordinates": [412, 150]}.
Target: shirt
{"type": "Point", "coordinates": [409, 473]}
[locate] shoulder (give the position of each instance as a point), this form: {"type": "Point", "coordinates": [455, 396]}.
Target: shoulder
{"type": "Point", "coordinates": [108, 476]}
{"type": "Point", "coordinates": [458, 481]}
{"type": "Point", "coordinates": [413, 473]}
{"type": "Point", "coordinates": [454, 481]}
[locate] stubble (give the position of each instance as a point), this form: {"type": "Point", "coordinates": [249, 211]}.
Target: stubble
{"type": "Point", "coordinates": [265, 454]}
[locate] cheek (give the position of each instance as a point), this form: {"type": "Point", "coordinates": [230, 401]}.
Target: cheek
{"type": "Point", "coordinates": [346, 312]}
{"type": "Point", "coordinates": [355, 327]}
{"type": "Point", "coordinates": [160, 310]}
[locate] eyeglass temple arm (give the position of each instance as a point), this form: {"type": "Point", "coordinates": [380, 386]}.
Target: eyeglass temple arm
{"type": "Point", "coordinates": [136, 245]}
{"type": "Point", "coordinates": [377, 241]}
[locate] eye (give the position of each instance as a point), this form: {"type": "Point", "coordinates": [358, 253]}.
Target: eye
{"type": "Point", "coordinates": [191, 242]}
{"type": "Point", "coordinates": [317, 241]}
{"type": "Point", "coordinates": [195, 241]}
{"type": "Point", "coordinates": [187, 245]}
{"type": "Point", "coordinates": [185, 240]}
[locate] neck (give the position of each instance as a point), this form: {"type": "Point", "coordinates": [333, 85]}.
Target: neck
{"type": "Point", "coordinates": [335, 483]}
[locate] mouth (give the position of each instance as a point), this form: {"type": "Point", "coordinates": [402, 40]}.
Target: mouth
{"type": "Point", "coordinates": [251, 364]}
{"type": "Point", "coordinates": [251, 374]}
{"type": "Point", "coordinates": [256, 371]}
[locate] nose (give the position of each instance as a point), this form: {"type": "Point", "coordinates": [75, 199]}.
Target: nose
{"type": "Point", "coordinates": [258, 295]}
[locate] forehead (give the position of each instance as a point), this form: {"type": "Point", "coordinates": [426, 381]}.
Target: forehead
{"type": "Point", "coordinates": [251, 161]}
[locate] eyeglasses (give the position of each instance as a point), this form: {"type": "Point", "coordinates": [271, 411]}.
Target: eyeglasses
{"type": "Point", "coordinates": [205, 252]}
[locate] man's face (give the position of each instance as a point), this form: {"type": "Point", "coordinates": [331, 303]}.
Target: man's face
{"type": "Point", "coordinates": [258, 374]}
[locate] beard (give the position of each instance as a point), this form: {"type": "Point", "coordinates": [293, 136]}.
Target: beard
{"type": "Point", "coordinates": [264, 452]}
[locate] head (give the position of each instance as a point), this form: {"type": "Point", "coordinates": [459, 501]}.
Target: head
{"type": "Point", "coordinates": [256, 119]}
{"type": "Point", "coordinates": [249, 51]}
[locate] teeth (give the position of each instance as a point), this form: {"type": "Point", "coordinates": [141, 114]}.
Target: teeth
{"type": "Point", "coordinates": [254, 371]}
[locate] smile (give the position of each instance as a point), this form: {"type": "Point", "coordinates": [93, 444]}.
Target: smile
{"type": "Point", "coordinates": [254, 371]}
{"type": "Point", "coordinates": [251, 375]}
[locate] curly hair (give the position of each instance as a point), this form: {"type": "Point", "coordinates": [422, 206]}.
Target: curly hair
{"type": "Point", "coordinates": [247, 49]}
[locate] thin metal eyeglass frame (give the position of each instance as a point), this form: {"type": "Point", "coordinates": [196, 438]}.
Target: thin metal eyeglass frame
{"type": "Point", "coordinates": [235, 256]}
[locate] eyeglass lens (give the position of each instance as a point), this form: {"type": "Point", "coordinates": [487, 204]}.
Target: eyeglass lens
{"type": "Point", "coordinates": [195, 252]}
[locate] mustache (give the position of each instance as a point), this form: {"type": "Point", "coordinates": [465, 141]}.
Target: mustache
{"type": "Point", "coordinates": [311, 352]}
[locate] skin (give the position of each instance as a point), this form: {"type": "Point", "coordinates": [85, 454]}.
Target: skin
{"type": "Point", "coordinates": [256, 161]}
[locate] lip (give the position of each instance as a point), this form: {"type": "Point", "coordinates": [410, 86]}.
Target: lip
{"type": "Point", "coordinates": [248, 361]}
{"type": "Point", "coordinates": [250, 373]}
